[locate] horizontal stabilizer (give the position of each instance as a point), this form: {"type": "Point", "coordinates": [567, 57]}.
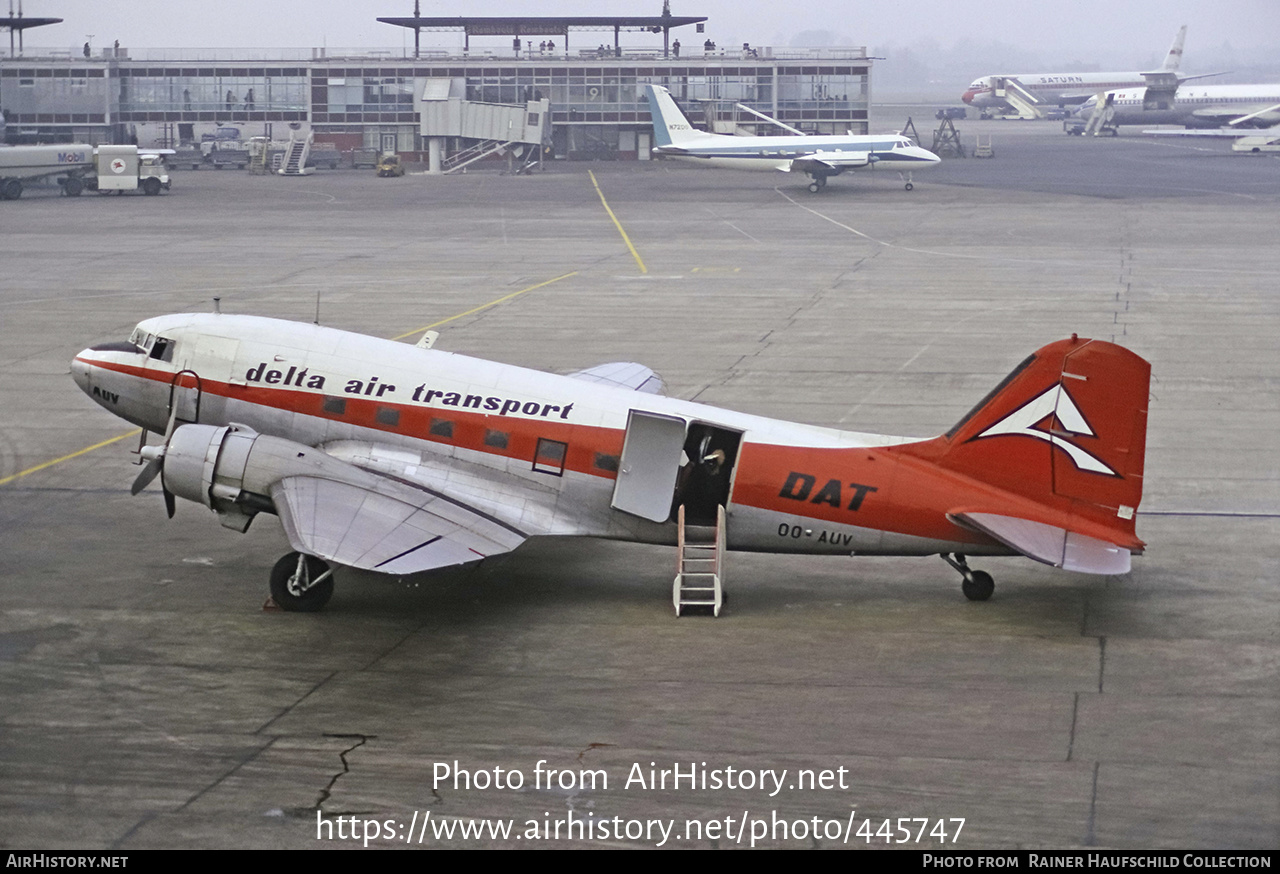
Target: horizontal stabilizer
{"type": "Point", "coordinates": [623, 374]}
{"type": "Point", "coordinates": [395, 529]}
{"type": "Point", "coordinates": [1050, 544]}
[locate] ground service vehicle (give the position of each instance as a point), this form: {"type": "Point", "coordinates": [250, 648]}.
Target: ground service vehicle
{"type": "Point", "coordinates": [389, 165]}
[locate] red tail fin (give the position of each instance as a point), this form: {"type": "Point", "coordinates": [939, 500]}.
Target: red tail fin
{"type": "Point", "coordinates": [1066, 429]}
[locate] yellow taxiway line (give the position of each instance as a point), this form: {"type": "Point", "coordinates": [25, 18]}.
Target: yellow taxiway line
{"type": "Point", "coordinates": [617, 224]}
{"type": "Point", "coordinates": [483, 306]}
{"type": "Point", "coordinates": [30, 470]}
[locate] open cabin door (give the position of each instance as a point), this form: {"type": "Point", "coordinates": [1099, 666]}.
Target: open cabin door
{"type": "Point", "coordinates": [649, 466]}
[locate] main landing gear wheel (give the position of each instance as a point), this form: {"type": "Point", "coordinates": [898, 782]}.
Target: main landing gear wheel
{"type": "Point", "coordinates": [976, 585]}
{"type": "Point", "coordinates": [301, 583]}
{"type": "Point", "coordinates": [910, 187]}
{"type": "Point", "coordinates": [818, 183]}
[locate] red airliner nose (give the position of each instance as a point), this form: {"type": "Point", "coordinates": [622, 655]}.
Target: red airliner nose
{"type": "Point", "coordinates": [969, 95]}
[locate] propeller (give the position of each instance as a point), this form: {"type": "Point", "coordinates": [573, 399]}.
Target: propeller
{"type": "Point", "coordinates": [154, 456]}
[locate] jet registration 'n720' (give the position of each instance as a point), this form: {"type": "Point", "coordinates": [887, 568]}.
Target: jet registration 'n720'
{"type": "Point", "coordinates": [400, 459]}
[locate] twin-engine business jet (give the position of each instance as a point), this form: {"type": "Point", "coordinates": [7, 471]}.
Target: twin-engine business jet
{"type": "Point", "coordinates": [819, 157]}
{"type": "Point", "coordinates": [398, 459]}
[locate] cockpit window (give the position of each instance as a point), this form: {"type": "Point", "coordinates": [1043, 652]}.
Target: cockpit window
{"type": "Point", "coordinates": [141, 339]}
{"type": "Point", "coordinates": [163, 349]}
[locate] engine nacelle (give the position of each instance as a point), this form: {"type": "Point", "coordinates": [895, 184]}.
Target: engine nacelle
{"type": "Point", "coordinates": [206, 464]}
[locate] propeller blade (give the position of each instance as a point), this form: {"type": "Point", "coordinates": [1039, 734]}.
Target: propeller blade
{"type": "Point", "coordinates": [147, 474]}
{"type": "Point", "coordinates": [168, 502]}
{"type": "Point", "coordinates": [173, 420]}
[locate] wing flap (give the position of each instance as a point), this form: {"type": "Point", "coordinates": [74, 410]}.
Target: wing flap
{"type": "Point", "coordinates": [393, 528]}
{"type": "Point", "coordinates": [623, 374]}
{"type": "Point", "coordinates": [1050, 544]}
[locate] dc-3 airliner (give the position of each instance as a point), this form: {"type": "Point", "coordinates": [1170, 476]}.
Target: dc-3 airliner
{"type": "Point", "coordinates": [400, 459]}
{"type": "Point", "coordinates": [818, 157]}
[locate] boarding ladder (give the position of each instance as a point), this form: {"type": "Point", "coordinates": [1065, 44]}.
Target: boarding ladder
{"type": "Point", "coordinates": [478, 152]}
{"type": "Point", "coordinates": [295, 157]}
{"type": "Point", "coordinates": [699, 564]}
{"type": "Point", "coordinates": [1104, 111]}
{"type": "Point", "coordinates": [1011, 92]}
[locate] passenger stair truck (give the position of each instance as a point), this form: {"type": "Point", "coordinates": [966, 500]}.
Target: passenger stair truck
{"type": "Point", "coordinates": [295, 156]}
{"type": "Point", "coordinates": [1010, 90]}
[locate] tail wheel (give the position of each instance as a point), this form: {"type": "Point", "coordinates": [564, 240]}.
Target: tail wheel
{"type": "Point", "coordinates": [301, 583]}
{"type": "Point", "coordinates": [978, 586]}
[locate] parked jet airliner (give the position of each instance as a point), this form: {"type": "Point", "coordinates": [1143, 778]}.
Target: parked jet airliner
{"type": "Point", "coordinates": [398, 459]}
{"type": "Point", "coordinates": [818, 157]}
{"type": "Point", "coordinates": [1063, 89]}
{"type": "Point", "coordinates": [1200, 106]}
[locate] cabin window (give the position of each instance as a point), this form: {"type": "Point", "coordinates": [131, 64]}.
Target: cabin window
{"type": "Point", "coordinates": [550, 456]}
{"type": "Point", "coordinates": [605, 461]}
{"type": "Point", "coordinates": [496, 439]}
{"type": "Point", "coordinates": [387, 416]}
{"type": "Point", "coordinates": [442, 428]}
{"type": "Point", "coordinates": [336, 406]}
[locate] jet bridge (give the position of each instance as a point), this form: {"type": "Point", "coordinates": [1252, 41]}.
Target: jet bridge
{"type": "Point", "coordinates": [445, 114]}
{"type": "Point", "coordinates": [1010, 90]}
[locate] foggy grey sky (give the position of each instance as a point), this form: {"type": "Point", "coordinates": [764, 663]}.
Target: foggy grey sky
{"type": "Point", "coordinates": [1124, 32]}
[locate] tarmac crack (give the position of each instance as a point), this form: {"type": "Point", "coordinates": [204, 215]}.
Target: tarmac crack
{"type": "Point", "coordinates": [1071, 736]}
{"type": "Point", "coordinates": [327, 791]}
{"type": "Point", "coordinates": [593, 746]}
{"type": "Point", "coordinates": [1090, 838]}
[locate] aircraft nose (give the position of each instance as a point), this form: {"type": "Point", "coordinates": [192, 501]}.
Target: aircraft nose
{"type": "Point", "coordinates": [80, 370]}
{"type": "Point", "coordinates": [968, 96]}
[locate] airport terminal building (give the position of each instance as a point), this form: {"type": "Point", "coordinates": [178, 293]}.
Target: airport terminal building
{"type": "Point", "coordinates": [594, 89]}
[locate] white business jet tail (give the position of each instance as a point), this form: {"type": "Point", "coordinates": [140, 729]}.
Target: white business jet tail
{"type": "Point", "coordinates": [670, 127]}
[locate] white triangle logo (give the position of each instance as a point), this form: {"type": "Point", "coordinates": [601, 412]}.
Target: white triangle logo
{"type": "Point", "coordinates": [1053, 401]}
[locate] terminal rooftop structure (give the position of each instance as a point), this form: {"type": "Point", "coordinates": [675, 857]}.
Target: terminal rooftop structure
{"type": "Point", "coordinates": [594, 94]}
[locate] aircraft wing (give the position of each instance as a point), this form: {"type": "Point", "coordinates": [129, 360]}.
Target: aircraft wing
{"type": "Point", "coordinates": [623, 374]}
{"type": "Point", "coordinates": [1225, 133]}
{"type": "Point", "coordinates": [390, 527]}
{"type": "Point", "coordinates": [830, 162]}
{"type": "Point", "coordinates": [1234, 116]}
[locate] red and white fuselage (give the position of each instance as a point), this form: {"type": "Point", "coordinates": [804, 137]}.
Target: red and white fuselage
{"type": "Point", "coordinates": [540, 453]}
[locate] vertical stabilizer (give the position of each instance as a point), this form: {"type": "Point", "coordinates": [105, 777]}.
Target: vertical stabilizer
{"type": "Point", "coordinates": [670, 127]}
{"type": "Point", "coordinates": [1174, 58]}
{"type": "Point", "coordinates": [1066, 430]}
